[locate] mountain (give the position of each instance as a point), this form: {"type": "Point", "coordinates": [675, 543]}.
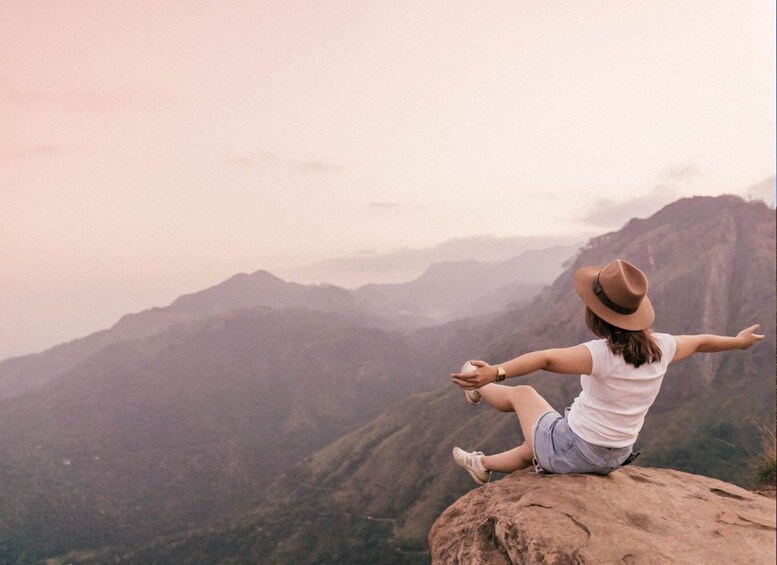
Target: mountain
{"type": "Point", "coordinates": [711, 263]}
{"type": "Point", "coordinates": [167, 432]}
{"type": "Point", "coordinates": [401, 265]}
{"type": "Point", "coordinates": [21, 374]}
{"type": "Point", "coordinates": [451, 290]}
{"type": "Point", "coordinates": [174, 411]}
{"type": "Point", "coordinates": [195, 445]}
{"type": "Point", "coordinates": [444, 292]}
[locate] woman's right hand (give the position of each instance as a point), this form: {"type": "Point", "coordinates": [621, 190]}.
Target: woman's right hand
{"type": "Point", "coordinates": [481, 376]}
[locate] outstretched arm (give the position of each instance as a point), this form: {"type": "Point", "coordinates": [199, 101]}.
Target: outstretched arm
{"type": "Point", "coordinates": [687, 345]}
{"type": "Point", "coordinates": [568, 360]}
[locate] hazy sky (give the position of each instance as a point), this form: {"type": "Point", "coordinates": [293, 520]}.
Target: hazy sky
{"type": "Point", "coordinates": [150, 149]}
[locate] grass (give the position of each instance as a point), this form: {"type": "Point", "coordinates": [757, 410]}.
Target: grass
{"type": "Point", "coordinates": [765, 462]}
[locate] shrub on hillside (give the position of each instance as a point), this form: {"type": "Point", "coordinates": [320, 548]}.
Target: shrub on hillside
{"type": "Point", "coordinates": [767, 460]}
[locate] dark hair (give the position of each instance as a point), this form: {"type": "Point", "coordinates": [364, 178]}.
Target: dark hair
{"type": "Point", "coordinates": [636, 347]}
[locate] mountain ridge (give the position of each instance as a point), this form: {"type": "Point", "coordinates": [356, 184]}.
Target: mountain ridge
{"type": "Point", "coordinates": [168, 431]}
{"type": "Point", "coordinates": [379, 487]}
{"type": "Point", "coordinates": [457, 289]}
{"type": "Point", "coordinates": [25, 373]}
{"type": "Point", "coordinates": [398, 466]}
{"type": "Point", "coordinates": [262, 288]}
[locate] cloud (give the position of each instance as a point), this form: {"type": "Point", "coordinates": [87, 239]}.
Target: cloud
{"type": "Point", "coordinates": [386, 205]}
{"type": "Point", "coordinates": [764, 190]}
{"type": "Point", "coordinates": [315, 166]}
{"type": "Point", "coordinates": [296, 165]}
{"type": "Point", "coordinates": [37, 151]}
{"type": "Point", "coordinates": [84, 101]}
{"type": "Point", "coordinates": [678, 173]}
{"type": "Point", "coordinates": [243, 162]}
{"type": "Point", "coordinates": [612, 214]}
{"type": "Point", "coordinates": [672, 183]}
{"type": "Point", "coordinates": [46, 150]}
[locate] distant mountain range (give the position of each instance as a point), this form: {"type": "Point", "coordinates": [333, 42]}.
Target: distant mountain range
{"type": "Point", "coordinates": [261, 421]}
{"type": "Point", "coordinates": [445, 292]}
{"type": "Point", "coordinates": [462, 289]}
{"type": "Point", "coordinates": [172, 430]}
{"type": "Point", "coordinates": [372, 494]}
{"type": "Point", "coordinates": [368, 267]}
{"type": "Point", "coordinates": [179, 414]}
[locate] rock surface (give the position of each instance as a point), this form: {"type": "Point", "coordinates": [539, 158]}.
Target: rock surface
{"type": "Point", "coordinates": [635, 515]}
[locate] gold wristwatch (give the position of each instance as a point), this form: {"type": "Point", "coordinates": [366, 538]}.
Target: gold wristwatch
{"type": "Point", "coordinates": [500, 374]}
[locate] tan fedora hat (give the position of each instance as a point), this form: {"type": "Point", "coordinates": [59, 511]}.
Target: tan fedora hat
{"type": "Point", "coordinates": [617, 293]}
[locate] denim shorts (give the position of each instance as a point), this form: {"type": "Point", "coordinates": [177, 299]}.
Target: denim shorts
{"type": "Point", "coordinates": [557, 449]}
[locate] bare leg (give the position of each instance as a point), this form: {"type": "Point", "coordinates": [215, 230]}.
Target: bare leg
{"type": "Point", "coordinates": [508, 461]}
{"type": "Point", "coordinates": [529, 406]}
{"type": "Point", "coordinates": [498, 396]}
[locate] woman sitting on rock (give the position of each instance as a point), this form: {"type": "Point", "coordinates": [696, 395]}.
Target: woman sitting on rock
{"type": "Point", "coordinates": [621, 374]}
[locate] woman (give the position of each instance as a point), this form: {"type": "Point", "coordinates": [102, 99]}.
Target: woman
{"type": "Point", "coordinates": [621, 373]}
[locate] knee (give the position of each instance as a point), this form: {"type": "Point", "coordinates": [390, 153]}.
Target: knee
{"type": "Point", "coordinates": [521, 392]}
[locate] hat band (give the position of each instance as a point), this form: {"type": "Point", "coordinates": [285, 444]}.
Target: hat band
{"type": "Point", "coordinates": [604, 299]}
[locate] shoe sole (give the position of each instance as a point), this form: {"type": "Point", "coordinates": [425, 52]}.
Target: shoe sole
{"type": "Point", "coordinates": [469, 399]}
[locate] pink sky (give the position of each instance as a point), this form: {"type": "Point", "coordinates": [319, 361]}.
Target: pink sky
{"type": "Point", "coordinates": [155, 148]}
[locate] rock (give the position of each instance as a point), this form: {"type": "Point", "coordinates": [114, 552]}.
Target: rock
{"type": "Point", "coordinates": [635, 515]}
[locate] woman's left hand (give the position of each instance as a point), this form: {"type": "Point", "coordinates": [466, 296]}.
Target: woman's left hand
{"type": "Point", "coordinates": [482, 375]}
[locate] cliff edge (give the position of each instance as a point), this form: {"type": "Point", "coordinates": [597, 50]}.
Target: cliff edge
{"type": "Point", "coordinates": [635, 515]}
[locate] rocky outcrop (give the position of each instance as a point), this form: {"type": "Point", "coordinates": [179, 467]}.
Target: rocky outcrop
{"type": "Point", "coordinates": [635, 515]}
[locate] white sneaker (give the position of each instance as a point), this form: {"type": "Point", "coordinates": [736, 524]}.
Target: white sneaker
{"type": "Point", "coordinates": [467, 460]}
{"type": "Point", "coordinates": [472, 396]}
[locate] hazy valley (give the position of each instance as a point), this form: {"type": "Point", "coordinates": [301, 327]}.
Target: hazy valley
{"type": "Point", "coordinates": [265, 421]}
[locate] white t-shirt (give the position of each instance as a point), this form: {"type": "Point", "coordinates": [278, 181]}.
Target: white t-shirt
{"type": "Point", "coordinates": [616, 396]}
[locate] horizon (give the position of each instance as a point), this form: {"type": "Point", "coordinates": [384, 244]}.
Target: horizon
{"type": "Point", "coordinates": [155, 151]}
{"type": "Point", "coordinates": [268, 422]}
{"type": "Point", "coordinates": [380, 266]}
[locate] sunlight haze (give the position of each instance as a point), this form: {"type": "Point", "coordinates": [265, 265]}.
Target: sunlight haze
{"type": "Point", "coordinates": [153, 149]}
